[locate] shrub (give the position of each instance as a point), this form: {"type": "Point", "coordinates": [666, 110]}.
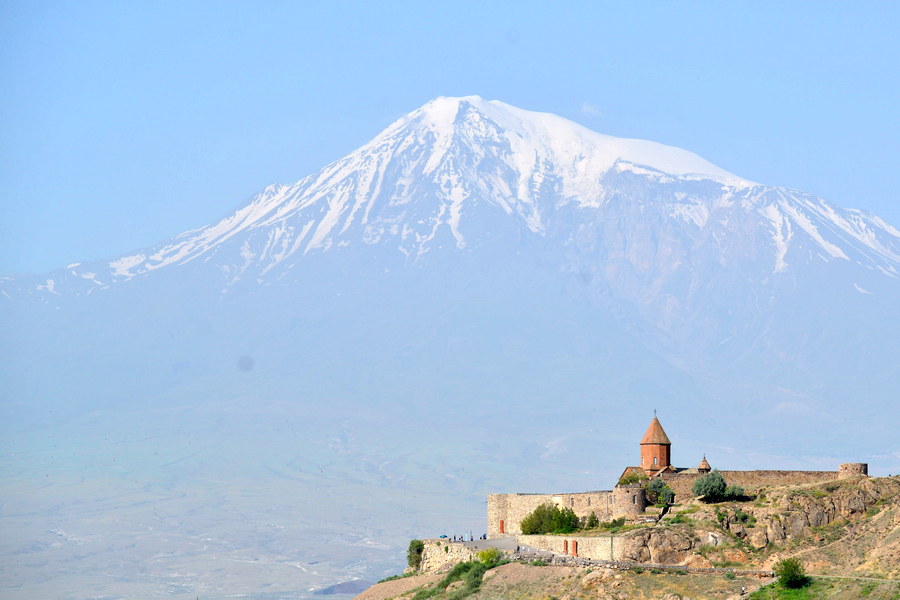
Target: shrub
{"type": "Point", "coordinates": [633, 477]}
{"type": "Point", "coordinates": [613, 525]}
{"type": "Point", "coordinates": [745, 518]}
{"type": "Point", "coordinates": [539, 562]}
{"type": "Point", "coordinates": [414, 553]}
{"type": "Point", "coordinates": [734, 492]}
{"type": "Point", "coordinates": [548, 518]}
{"type": "Point", "coordinates": [593, 521]}
{"type": "Point", "coordinates": [729, 575]}
{"type": "Point", "coordinates": [790, 573]}
{"type": "Point", "coordinates": [469, 572]}
{"type": "Point", "coordinates": [490, 557]}
{"type": "Point", "coordinates": [666, 496]}
{"type": "Point", "coordinates": [711, 487]}
{"type": "Point", "coordinates": [679, 518]}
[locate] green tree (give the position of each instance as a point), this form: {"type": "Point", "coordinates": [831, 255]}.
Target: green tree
{"type": "Point", "coordinates": [592, 521]}
{"type": "Point", "coordinates": [658, 492]}
{"type": "Point", "coordinates": [790, 573]}
{"type": "Point", "coordinates": [549, 518]}
{"type": "Point", "coordinates": [414, 553]}
{"type": "Point", "coordinates": [711, 486]}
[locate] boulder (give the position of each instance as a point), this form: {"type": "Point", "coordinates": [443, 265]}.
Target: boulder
{"type": "Point", "coordinates": [697, 561]}
{"type": "Point", "coordinates": [596, 578]}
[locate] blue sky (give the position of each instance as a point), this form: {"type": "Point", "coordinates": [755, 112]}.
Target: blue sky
{"type": "Point", "coordinates": [124, 123]}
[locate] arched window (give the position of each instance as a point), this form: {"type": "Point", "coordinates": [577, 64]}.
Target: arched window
{"type": "Point", "coordinates": [654, 461]}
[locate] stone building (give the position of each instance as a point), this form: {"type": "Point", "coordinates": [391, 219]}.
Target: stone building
{"type": "Point", "coordinates": [506, 511]}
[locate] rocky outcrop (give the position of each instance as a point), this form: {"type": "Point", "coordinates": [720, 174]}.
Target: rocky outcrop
{"type": "Point", "coordinates": [664, 546]}
{"type": "Point", "coordinates": [798, 512]}
{"type": "Point", "coordinates": [784, 515]}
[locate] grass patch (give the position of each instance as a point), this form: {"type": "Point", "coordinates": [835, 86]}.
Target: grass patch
{"type": "Point", "coordinates": [689, 510]}
{"type": "Point", "coordinates": [813, 493]}
{"type": "Point", "coordinates": [679, 518]}
{"type": "Point", "coordinates": [876, 508]}
{"type": "Point", "coordinates": [726, 564]}
{"type": "Point", "coordinates": [744, 518]}
{"type": "Point", "coordinates": [830, 588]}
{"type": "Point", "coordinates": [470, 573]}
{"type": "Point", "coordinates": [777, 592]}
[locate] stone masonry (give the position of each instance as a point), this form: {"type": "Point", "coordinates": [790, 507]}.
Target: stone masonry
{"type": "Point", "coordinates": [506, 511]}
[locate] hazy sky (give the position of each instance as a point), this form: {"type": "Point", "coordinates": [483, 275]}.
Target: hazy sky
{"type": "Point", "coordinates": [124, 123]}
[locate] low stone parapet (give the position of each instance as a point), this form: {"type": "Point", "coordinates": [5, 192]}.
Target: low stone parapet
{"type": "Point", "coordinates": [602, 547]}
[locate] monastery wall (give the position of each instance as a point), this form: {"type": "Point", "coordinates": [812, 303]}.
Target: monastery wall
{"type": "Point", "coordinates": [751, 481]}
{"type": "Point", "coordinates": [506, 511]}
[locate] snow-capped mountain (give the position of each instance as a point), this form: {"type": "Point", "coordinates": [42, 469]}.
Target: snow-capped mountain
{"type": "Point", "coordinates": [480, 299]}
{"type": "Point", "coordinates": [451, 172]}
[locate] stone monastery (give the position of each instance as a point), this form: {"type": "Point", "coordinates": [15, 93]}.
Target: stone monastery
{"type": "Point", "coordinates": [506, 511]}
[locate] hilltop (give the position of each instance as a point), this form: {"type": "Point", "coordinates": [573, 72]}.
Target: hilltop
{"type": "Point", "coordinates": [845, 532]}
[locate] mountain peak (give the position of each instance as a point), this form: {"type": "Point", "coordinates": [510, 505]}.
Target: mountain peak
{"type": "Point", "coordinates": [555, 139]}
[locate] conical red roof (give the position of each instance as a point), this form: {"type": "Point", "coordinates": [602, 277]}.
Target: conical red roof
{"type": "Point", "coordinates": [655, 434]}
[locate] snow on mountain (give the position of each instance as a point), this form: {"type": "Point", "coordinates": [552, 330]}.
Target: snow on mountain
{"type": "Point", "coordinates": [434, 172]}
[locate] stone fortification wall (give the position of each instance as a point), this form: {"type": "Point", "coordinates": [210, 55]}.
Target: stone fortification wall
{"type": "Point", "coordinates": [439, 555]}
{"type": "Point", "coordinates": [852, 470]}
{"type": "Point", "coordinates": [601, 547]}
{"type": "Point", "coordinates": [506, 511]}
{"type": "Point", "coordinates": [751, 481]}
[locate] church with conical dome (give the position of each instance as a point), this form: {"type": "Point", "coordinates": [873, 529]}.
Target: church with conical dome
{"type": "Point", "coordinates": [656, 455]}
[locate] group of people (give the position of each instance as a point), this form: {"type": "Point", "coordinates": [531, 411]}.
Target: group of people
{"type": "Point", "coordinates": [462, 538]}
